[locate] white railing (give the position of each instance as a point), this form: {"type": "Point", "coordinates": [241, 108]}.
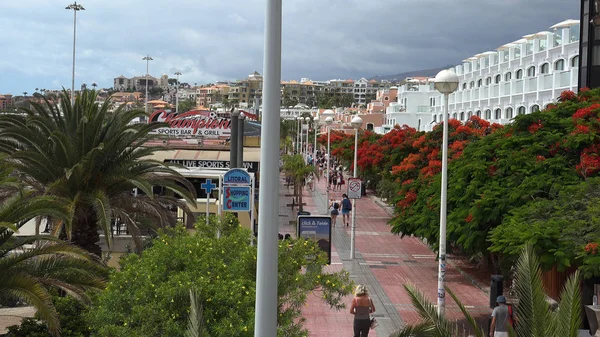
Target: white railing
{"type": "Point", "coordinates": [547, 81]}
{"type": "Point", "coordinates": [506, 89]}
{"type": "Point", "coordinates": [518, 88]}
{"type": "Point", "coordinates": [495, 90]}
{"type": "Point", "coordinates": [531, 84]}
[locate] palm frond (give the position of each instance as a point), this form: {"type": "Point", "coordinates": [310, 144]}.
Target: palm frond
{"type": "Point", "coordinates": [419, 330]}
{"type": "Point", "coordinates": [428, 312]}
{"type": "Point", "coordinates": [479, 332]}
{"type": "Point", "coordinates": [568, 316]}
{"type": "Point", "coordinates": [196, 327]}
{"type": "Point", "coordinates": [533, 310]}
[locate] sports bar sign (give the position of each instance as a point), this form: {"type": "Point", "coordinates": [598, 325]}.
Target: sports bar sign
{"type": "Point", "coordinates": [202, 123]}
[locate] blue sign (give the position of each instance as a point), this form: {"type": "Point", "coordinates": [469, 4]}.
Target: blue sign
{"type": "Point", "coordinates": [317, 228]}
{"type": "Point", "coordinates": [237, 176]}
{"type": "Point", "coordinates": [208, 186]}
{"type": "Point", "coordinates": [236, 198]}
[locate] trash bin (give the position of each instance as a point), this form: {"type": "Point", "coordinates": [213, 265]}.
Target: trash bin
{"type": "Point", "coordinates": [496, 289]}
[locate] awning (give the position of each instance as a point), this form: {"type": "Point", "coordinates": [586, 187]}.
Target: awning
{"type": "Point", "coordinates": [566, 23]}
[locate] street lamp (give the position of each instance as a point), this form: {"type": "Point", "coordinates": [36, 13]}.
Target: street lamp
{"type": "Point", "coordinates": [177, 92]}
{"type": "Point", "coordinates": [315, 125]}
{"type": "Point", "coordinates": [307, 120]}
{"type": "Point", "coordinates": [356, 124]}
{"type": "Point", "coordinates": [147, 58]}
{"type": "Point", "coordinates": [328, 121]}
{"type": "Point", "coordinates": [299, 134]}
{"type": "Point", "coordinates": [446, 82]}
{"type": "Point", "coordinates": [75, 7]}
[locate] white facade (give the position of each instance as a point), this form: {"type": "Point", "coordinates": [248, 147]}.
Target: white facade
{"type": "Point", "coordinates": [413, 106]}
{"type": "Point", "coordinates": [518, 78]}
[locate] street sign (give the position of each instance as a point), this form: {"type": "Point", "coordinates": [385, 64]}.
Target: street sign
{"type": "Point", "coordinates": [317, 228]}
{"type": "Point", "coordinates": [208, 186]}
{"type": "Point", "coordinates": [236, 198]}
{"type": "Point", "coordinates": [237, 176]}
{"type": "Point", "coordinates": [354, 188]}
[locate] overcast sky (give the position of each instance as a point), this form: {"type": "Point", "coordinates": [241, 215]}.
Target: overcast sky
{"type": "Point", "coordinates": [211, 40]}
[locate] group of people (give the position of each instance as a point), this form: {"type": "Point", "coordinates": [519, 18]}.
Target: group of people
{"type": "Point", "coordinates": [344, 206]}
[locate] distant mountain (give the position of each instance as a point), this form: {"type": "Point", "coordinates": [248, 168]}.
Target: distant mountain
{"type": "Point", "coordinates": [401, 76]}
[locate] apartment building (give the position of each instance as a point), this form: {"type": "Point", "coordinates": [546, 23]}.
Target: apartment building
{"type": "Point", "coordinates": [383, 99]}
{"type": "Point", "coordinates": [123, 83]}
{"type": "Point", "coordinates": [6, 101]}
{"type": "Point", "coordinates": [517, 78]}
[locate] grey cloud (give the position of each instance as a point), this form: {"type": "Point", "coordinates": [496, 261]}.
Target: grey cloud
{"type": "Point", "coordinates": [214, 39]}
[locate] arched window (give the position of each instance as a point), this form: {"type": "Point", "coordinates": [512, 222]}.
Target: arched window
{"type": "Point", "coordinates": [575, 61]}
{"type": "Point", "coordinates": [478, 113]}
{"type": "Point", "coordinates": [544, 68]}
{"type": "Point", "coordinates": [465, 86]}
{"type": "Point", "coordinates": [519, 74]}
{"type": "Point", "coordinates": [488, 114]}
{"type": "Point", "coordinates": [370, 126]}
{"type": "Point", "coordinates": [497, 114]}
{"type": "Point", "coordinates": [531, 71]}
{"type": "Point", "coordinates": [441, 118]}
{"type": "Point", "coordinates": [497, 79]}
{"type": "Point", "coordinates": [454, 115]}
{"type": "Point", "coordinates": [535, 108]}
{"type": "Point", "coordinates": [507, 76]}
{"type": "Point", "coordinates": [479, 82]}
{"type": "Point", "coordinates": [435, 118]}
{"type": "Point", "coordinates": [462, 116]}
{"type": "Point", "coordinates": [509, 113]}
{"type": "Point", "coordinates": [469, 114]}
{"type": "Point", "coordinates": [521, 110]}
{"type": "Point", "coordinates": [559, 65]}
{"type": "Point", "coordinates": [488, 81]}
{"type": "Point", "coordinates": [472, 84]}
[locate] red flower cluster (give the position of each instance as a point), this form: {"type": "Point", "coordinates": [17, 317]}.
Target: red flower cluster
{"type": "Point", "coordinates": [591, 248]}
{"type": "Point", "coordinates": [589, 161]}
{"type": "Point", "coordinates": [567, 95]}
{"type": "Point", "coordinates": [469, 218]}
{"type": "Point", "coordinates": [408, 200]}
{"type": "Point", "coordinates": [540, 158]}
{"type": "Point", "coordinates": [534, 127]}
{"type": "Point", "coordinates": [581, 129]}
{"type": "Point", "coordinates": [587, 112]}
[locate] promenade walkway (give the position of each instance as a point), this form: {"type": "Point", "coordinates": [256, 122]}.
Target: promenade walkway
{"type": "Point", "coordinates": [384, 262]}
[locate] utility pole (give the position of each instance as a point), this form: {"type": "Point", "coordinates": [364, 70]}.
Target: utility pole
{"type": "Point", "coordinates": [75, 7]}
{"type": "Point", "coordinates": [233, 138]}
{"type": "Point", "coordinates": [177, 92]}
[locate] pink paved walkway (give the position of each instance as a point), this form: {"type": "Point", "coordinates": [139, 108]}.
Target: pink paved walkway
{"type": "Point", "coordinates": [393, 261]}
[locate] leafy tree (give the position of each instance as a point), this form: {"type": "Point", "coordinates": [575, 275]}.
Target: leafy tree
{"type": "Point", "coordinates": [295, 167]}
{"type": "Point", "coordinates": [534, 317]}
{"type": "Point", "coordinates": [186, 105]}
{"type": "Point", "coordinates": [149, 296]}
{"type": "Point", "coordinates": [93, 158]}
{"type": "Point", "coordinates": [71, 314]}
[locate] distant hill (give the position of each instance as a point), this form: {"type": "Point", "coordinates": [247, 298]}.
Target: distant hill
{"type": "Point", "coordinates": [401, 76]}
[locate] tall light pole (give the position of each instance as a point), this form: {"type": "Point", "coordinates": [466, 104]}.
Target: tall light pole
{"type": "Point", "coordinates": [147, 58]}
{"type": "Point", "coordinates": [446, 82]}
{"type": "Point", "coordinates": [315, 125]}
{"type": "Point", "coordinates": [76, 8]}
{"type": "Point", "coordinates": [307, 120]}
{"type": "Point", "coordinates": [328, 122]}
{"type": "Point", "coordinates": [177, 73]}
{"type": "Point", "coordinates": [265, 316]}
{"type": "Point", "coordinates": [299, 134]}
{"type": "Point", "coordinates": [356, 124]}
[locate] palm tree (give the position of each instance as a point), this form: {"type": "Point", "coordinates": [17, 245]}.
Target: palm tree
{"type": "Point", "coordinates": [32, 265]}
{"type": "Point", "coordinates": [24, 93]}
{"type": "Point", "coordinates": [533, 314]}
{"type": "Point", "coordinates": [94, 85]}
{"type": "Point", "coordinates": [298, 170]}
{"type": "Point", "coordinates": [95, 159]}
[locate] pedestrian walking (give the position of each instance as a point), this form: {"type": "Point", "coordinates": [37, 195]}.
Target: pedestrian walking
{"type": "Point", "coordinates": [361, 307]}
{"type": "Point", "coordinates": [346, 208]}
{"type": "Point", "coordinates": [334, 207]}
{"type": "Point", "coordinates": [502, 317]}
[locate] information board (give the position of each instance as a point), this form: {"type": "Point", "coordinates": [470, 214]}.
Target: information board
{"type": "Point", "coordinates": [236, 198]}
{"type": "Point", "coordinates": [317, 228]}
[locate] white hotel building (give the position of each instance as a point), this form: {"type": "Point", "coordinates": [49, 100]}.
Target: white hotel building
{"type": "Point", "coordinates": [518, 78]}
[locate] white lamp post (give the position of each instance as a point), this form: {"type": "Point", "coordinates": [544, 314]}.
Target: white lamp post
{"type": "Point", "coordinates": [75, 7]}
{"type": "Point", "coordinates": [356, 124]}
{"type": "Point", "coordinates": [307, 120]}
{"type": "Point", "coordinates": [177, 92]}
{"type": "Point", "coordinates": [446, 82]}
{"type": "Point", "coordinates": [299, 133]}
{"type": "Point", "coordinates": [315, 125]}
{"type": "Point", "coordinates": [328, 121]}
{"type": "Point", "coordinates": [147, 58]}
{"type": "Point", "coordinates": [265, 313]}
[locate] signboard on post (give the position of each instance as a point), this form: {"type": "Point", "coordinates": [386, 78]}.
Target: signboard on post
{"type": "Point", "coordinates": [236, 198]}
{"type": "Point", "coordinates": [317, 228]}
{"type": "Point", "coordinates": [354, 188]}
{"type": "Point", "coordinates": [237, 176]}
{"type": "Point", "coordinates": [251, 166]}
